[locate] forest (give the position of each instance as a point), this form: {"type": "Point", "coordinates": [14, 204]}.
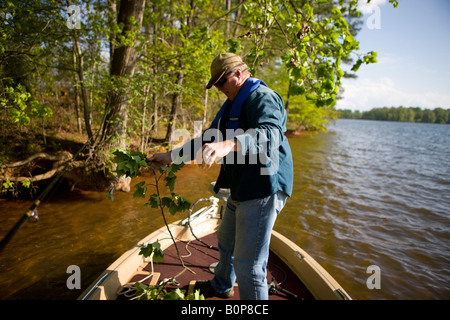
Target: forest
{"type": "Point", "coordinates": [80, 79]}
{"type": "Point", "coordinates": [400, 114]}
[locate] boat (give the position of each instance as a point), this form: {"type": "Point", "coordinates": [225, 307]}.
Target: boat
{"type": "Point", "coordinates": [291, 272]}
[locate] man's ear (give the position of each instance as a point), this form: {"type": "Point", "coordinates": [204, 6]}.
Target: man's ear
{"type": "Point", "coordinates": [238, 72]}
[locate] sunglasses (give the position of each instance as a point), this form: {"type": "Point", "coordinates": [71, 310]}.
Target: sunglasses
{"type": "Point", "coordinates": [222, 81]}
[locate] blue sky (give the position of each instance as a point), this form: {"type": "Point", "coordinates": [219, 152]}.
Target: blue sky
{"type": "Point", "coordinates": [413, 46]}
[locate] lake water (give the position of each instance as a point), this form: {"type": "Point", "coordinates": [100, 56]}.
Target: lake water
{"type": "Point", "coordinates": [376, 193]}
{"type": "Point", "coordinates": [366, 194]}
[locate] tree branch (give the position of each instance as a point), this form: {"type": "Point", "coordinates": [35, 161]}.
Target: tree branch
{"type": "Point", "coordinates": [60, 157]}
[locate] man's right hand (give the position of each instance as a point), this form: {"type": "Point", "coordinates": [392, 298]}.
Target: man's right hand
{"type": "Point", "coordinates": [159, 160]}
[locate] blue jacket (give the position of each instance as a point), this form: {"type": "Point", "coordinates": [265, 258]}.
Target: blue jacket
{"type": "Point", "coordinates": [264, 164]}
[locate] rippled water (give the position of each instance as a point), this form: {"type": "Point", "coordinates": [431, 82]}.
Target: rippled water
{"type": "Point", "coordinates": [375, 193]}
{"type": "Point", "coordinates": [366, 193]}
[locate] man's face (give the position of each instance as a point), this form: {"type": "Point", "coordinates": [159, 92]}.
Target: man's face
{"type": "Point", "coordinates": [232, 85]}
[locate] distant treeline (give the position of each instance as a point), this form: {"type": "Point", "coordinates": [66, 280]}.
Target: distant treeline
{"type": "Point", "coordinates": [401, 114]}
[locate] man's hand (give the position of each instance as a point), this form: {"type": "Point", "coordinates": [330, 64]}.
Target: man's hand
{"type": "Point", "coordinates": [212, 151]}
{"type": "Point", "coordinates": [159, 160]}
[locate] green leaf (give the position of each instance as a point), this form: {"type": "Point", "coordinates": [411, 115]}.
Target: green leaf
{"type": "Point", "coordinates": [154, 248]}
{"type": "Point", "coordinates": [8, 184]}
{"type": "Point", "coordinates": [176, 294]}
{"type": "Point", "coordinates": [371, 57]}
{"type": "Point", "coordinates": [357, 65]}
{"type": "Point", "coordinates": [128, 164]}
{"type": "Point", "coordinates": [140, 288]}
{"type": "Point", "coordinates": [140, 190]}
{"type": "Point", "coordinates": [328, 85]}
{"type": "Point", "coordinates": [158, 254]}
{"type": "Point", "coordinates": [154, 201]}
{"type": "Point", "coordinates": [119, 156]}
{"type": "Point", "coordinates": [110, 196]}
{"type": "Point", "coordinates": [196, 296]}
{"type": "Point", "coordinates": [170, 180]}
{"type": "Point", "coordinates": [178, 204]}
{"type": "Point", "coordinates": [176, 167]}
{"type": "Point", "coordinates": [26, 183]}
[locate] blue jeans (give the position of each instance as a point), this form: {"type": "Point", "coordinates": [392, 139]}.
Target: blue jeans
{"type": "Point", "coordinates": [244, 237]}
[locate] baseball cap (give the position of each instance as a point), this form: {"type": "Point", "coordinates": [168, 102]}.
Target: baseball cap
{"type": "Point", "coordinates": [221, 64]}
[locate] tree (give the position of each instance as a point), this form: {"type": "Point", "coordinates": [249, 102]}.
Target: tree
{"type": "Point", "coordinates": [441, 115]}
{"type": "Point", "coordinates": [139, 69]}
{"type": "Point", "coordinates": [123, 66]}
{"type": "Point", "coordinates": [21, 52]}
{"type": "Point", "coordinates": [411, 114]}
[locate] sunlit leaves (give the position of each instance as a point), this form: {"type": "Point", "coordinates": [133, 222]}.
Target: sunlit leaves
{"type": "Point", "coordinates": [316, 53]}
{"type": "Point", "coordinates": [21, 107]}
{"type": "Point", "coordinates": [174, 203]}
{"type": "Point", "coordinates": [316, 38]}
{"type": "Point", "coordinates": [8, 184]}
{"type": "Point", "coordinates": [144, 292]}
{"type": "Point", "coordinates": [128, 164]}
{"type": "Point", "coordinates": [141, 189]}
{"type": "Point", "coordinates": [152, 248]}
{"type": "Point", "coordinates": [371, 57]}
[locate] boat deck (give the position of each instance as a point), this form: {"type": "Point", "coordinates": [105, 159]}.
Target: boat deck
{"type": "Point", "coordinates": [199, 257]}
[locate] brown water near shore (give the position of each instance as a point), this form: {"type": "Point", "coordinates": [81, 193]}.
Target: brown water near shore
{"type": "Point", "coordinates": [365, 193]}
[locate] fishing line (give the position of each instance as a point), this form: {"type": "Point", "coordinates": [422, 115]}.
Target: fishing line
{"type": "Point", "coordinates": [31, 214]}
{"type": "Point", "coordinates": [190, 227]}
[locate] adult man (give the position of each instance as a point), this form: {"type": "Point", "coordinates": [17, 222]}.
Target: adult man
{"type": "Point", "coordinates": [247, 135]}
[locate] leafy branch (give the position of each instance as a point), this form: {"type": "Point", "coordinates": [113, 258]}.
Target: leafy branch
{"type": "Point", "coordinates": [128, 164]}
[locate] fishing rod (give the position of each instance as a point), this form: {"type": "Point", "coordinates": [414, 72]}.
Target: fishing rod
{"type": "Point", "coordinates": [31, 214]}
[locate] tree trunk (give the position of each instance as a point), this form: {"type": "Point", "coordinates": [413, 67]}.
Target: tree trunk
{"type": "Point", "coordinates": [112, 36]}
{"type": "Point", "coordinates": [80, 71]}
{"type": "Point", "coordinates": [123, 65]}
{"type": "Point", "coordinates": [176, 102]}
{"type": "Point", "coordinates": [205, 108]}
{"type": "Point", "coordinates": [286, 105]}
{"type": "Point", "coordinates": [144, 112]}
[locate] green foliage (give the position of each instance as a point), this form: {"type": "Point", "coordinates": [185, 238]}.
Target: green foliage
{"type": "Point", "coordinates": [317, 49]}
{"type": "Point", "coordinates": [175, 203]}
{"type": "Point", "coordinates": [20, 107]}
{"type": "Point", "coordinates": [152, 248]}
{"type": "Point", "coordinates": [8, 185]}
{"type": "Point", "coordinates": [128, 163]}
{"type": "Point", "coordinates": [311, 38]}
{"type": "Point", "coordinates": [371, 57]}
{"type": "Point", "coordinates": [144, 292]}
{"type": "Point", "coordinates": [305, 115]}
{"type": "Point", "coordinates": [401, 114]}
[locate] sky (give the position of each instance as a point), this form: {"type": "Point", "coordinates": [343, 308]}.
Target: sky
{"type": "Point", "coordinates": [413, 46]}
